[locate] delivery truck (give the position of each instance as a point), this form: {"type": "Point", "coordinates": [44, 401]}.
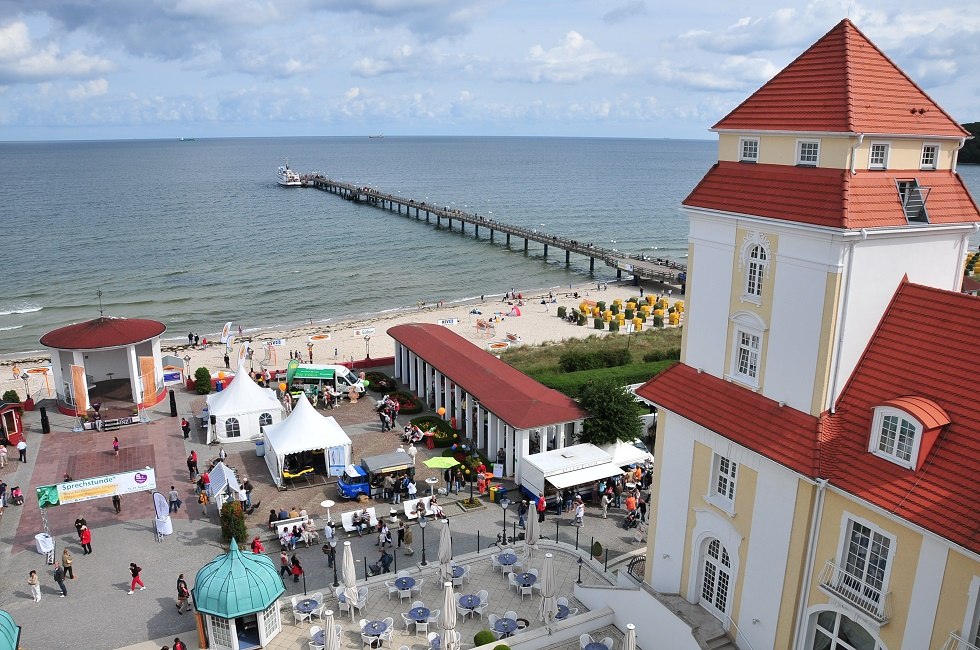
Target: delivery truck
{"type": "Point", "coordinates": [570, 467]}
{"type": "Point", "coordinates": [368, 477]}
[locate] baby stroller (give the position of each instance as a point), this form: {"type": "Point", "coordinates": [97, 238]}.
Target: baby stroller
{"type": "Point", "coordinates": [16, 496]}
{"type": "Point", "coordinates": [632, 520]}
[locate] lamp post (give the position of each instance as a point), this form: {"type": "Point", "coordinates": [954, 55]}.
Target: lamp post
{"type": "Point", "coordinates": [367, 346]}
{"type": "Point", "coordinates": [333, 545]}
{"type": "Point", "coordinates": [503, 506]}
{"type": "Point", "coordinates": [422, 524]}
{"type": "Point", "coordinates": [27, 389]}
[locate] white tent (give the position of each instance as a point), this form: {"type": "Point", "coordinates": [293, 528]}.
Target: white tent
{"type": "Point", "coordinates": [224, 485]}
{"type": "Point", "coordinates": [240, 411]}
{"type": "Point", "coordinates": [305, 430]}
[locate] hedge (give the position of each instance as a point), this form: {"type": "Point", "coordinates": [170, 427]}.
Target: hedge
{"type": "Point", "coordinates": [445, 434]}
{"type": "Point", "coordinates": [571, 383]}
{"type": "Point", "coordinates": [660, 355]}
{"type": "Point", "coordinates": [573, 361]}
{"type": "Point", "coordinates": [408, 403]}
{"type": "Point", "coordinates": [379, 382]}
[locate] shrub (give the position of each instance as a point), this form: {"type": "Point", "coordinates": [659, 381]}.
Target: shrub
{"type": "Point", "coordinates": [445, 435]}
{"type": "Point", "coordinates": [501, 647]}
{"type": "Point", "coordinates": [596, 549]}
{"type": "Point", "coordinates": [233, 522]}
{"type": "Point", "coordinates": [202, 381]}
{"type": "Point", "coordinates": [407, 403]}
{"type": "Point", "coordinates": [380, 382]}
{"type": "Point", "coordinates": [11, 396]}
{"type": "Point", "coordinates": [484, 637]}
{"type": "Point", "coordinates": [660, 355]}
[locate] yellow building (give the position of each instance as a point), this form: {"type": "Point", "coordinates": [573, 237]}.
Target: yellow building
{"type": "Point", "coordinates": [817, 449]}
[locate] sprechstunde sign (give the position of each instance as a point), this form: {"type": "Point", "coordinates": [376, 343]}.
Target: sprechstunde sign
{"type": "Point", "coordinates": [97, 487]}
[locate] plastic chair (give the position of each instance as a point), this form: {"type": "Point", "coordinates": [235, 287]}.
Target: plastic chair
{"type": "Point", "coordinates": [367, 640]}
{"type": "Point", "coordinates": [458, 582]}
{"type": "Point", "coordinates": [315, 629]}
{"type": "Point", "coordinates": [318, 612]}
{"type": "Point", "coordinates": [492, 622]}
{"type": "Point", "coordinates": [417, 587]}
{"type": "Point", "coordinates": [434, 616]}
{"type": "Point", "coordinates": [392, 589]}
{"type": "Point", "coordinates": [526, 591]}
{"type": "Point", "coordinates": [484, 597]}
{"type": "Point", "coordinates": [298, 616]}
{"type": "Point", "coordinates": [562, 601]}
{"type": "Point", "coordinates": [512, 581]}
{"type": "Point", "coordinates": [511, 614]}
{"type": "Point", "coordinates": [407, 621]}
{"type": "Point", "coordinates": [389, 630]}
{"type": "Point", "coordinates": [608, 642]}
{"type": "Point", "coordinates": [421, 626]}
{"type": "Point", "coordinates": [432, 638]}
{"type": "Point", "coordinates": [584, 640]}
{"type": "Point", "coordinates": [402, 574]}
{"type": "Point", "coordinates": [418, 603]}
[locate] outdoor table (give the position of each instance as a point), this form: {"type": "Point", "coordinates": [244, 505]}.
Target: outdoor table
{"type": "Point", "coordinates": [458, 572]}
{"type": "Point", "coordinates": [319, 638]}
{"type": "Point", "coordinates": [306, 605]}
{"type": "Point", "coordinates": [419, 614]}
{"type": "Point", "coordinates": [507, 558]}
{"type": "Point", "coordinates": [562, 612]}
{"type": "Point", "coordinates": [432, 480]}
{"type": "Point", "coordinates": [469, 602]}
{"type": "Point", "coordinates": [595, 645]}
{"type": "Point", "coordinates": [526, 579]}
{"type": "Point", "coordinates": [507, 626]}
{"type": "Point", "coordinates": [376, 628]}
{"type": "Point", "coordinates": [405, 583]}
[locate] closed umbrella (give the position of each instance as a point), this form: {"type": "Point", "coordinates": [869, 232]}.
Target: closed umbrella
{"type": "Point", "coordinates": [330, 640]}
{"type": "Point", "coordinates": [549, 590]}
{"type": "Point", "coordinates": [349, 576]}
{"type": "Point", "coordinates": [447, 620]}
{"type": "Point", "coordinates": [445, 553]}
{"type": "Point", "coordinates": [530, 535]}
{"type": "Point", "coordinates": [629, 643]}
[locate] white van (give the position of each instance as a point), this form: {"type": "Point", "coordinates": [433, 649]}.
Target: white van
{"type": "Point", "coordinates": [313, 377]}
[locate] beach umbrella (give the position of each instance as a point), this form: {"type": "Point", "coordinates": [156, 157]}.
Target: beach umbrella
{"type": "Point", "coordinates": [445, 553]}
{"type": "Point", "coordinates": [330, 640]}
{"type": "Point", "coordinates": [441, 462]}
{"type": "Point", "coordinates": [629, 643]}
{"type": "Point", "coordinates": [447, 620]}
{"type": "Point", "coordinates": [349, 576]}
{"type": "Point", "coordinates": [531, 533]}
{"type": "Point", "coordinates": [549, 590]}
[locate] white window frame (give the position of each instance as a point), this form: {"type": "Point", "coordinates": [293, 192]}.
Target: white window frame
{"type": "Point", "coordinates": [742, 157]}
{"type": "Point", "coordinates": [799, 153]}
{"type": "Point", "coordinates": [875, 441]}
{"type": "Point", "coordinates": [723, 487]}
{"type": "Point", "coordinates": [847, 521]}
{"type": "Point", "coordinates": [233, 428]}
{"type": "Point", "coordinates": [728, 571]}
{"type": "Point", "coordinates": [883, 164]}
{"type": "Point", "coordinates": [935, 156]}
{"type": "Point", "coordinates": [811, 636]}
{"type": "Point", "coordinates": [755, 273]}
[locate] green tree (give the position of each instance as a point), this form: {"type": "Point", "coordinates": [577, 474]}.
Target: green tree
{"type": "Point", "coordinates": [614, 414]}
{"type": "Point", "coordinates": [10, 396]}
{"type": "Point", "coordinates": [970, 153]}
{"type": "Point", "coordinates": [202, 381]}
{"type": "Point", "coordinates": [233, 522]}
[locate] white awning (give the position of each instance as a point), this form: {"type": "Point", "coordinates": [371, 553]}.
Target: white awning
{"type": "Point", "coordinates": [584, 475]}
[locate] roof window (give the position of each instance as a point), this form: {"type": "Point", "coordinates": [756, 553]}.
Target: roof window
{"type": "Point", "coordinates": [913, 197]}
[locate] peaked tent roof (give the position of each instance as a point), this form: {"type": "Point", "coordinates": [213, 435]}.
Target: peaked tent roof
{"type": "Point", "coordinates": [844, 84]}
{"type": "Point", "coordinates": [243, 395]}
{"type": "Point", "coordinates": [235, 583]}
{"type": "Point", "coordinates": [103, 332]}
{"type": "Point", "coordinates": [305, 429]}
{"type": "Point", "coordinates": [518, 400]}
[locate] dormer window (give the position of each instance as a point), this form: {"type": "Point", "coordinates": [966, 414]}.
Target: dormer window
{"type": "Point", "coordinates": [897, 436]}
{"type": "Point", "coordinates": [808, 152]}
{"type": "Point", "coordinates": [748, 150]}
{"type": "Point", "coordinates": [904, 429]}
{"type": "Point", "coordinates": [879, 156]}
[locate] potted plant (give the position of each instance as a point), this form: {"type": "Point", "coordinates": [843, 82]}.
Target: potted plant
{"type": "Point", "coordinates": [597, 550]}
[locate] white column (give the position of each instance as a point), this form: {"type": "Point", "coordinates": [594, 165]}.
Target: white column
{"type": "Point", "coordinates": [458, 409]}
{"type": "Point", "coordinates": [437, 381]}
{"type": "Point", "coordinates": [467, 414]}
{"type": "Point", "coordinates": [134, 373]}
{"type": "Point", "coordinates": [412, 375]}
{"type": "Point", "coordinates": [398, 360]}
{"type": "Point", "coordinates": [480, 415]}
{"type": "Point", "coordinates": [491, 434]}
{"type": "Point", "coordinates": [509, 444]}
{"type": "Point", "coordinates": [523, 448]}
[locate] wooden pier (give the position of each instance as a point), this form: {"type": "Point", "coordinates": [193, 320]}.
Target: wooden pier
{"type": "Point", "coordinates": [663, 271]}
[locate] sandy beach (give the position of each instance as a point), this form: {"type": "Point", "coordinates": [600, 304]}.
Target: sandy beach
{"type": "Point", "coordinates": [344, 341]}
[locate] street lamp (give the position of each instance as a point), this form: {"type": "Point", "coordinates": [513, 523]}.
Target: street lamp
{"type": "Point", "coordinates": [367, 346]}
{"type": "Point", "coordinates": [333, 545]}
{"type": "Point", "coordinates": [27, 390]}
{"type": "Point", "coordinates": [503, 506]}
{"type": "Point", "coordinates": [422, 525]}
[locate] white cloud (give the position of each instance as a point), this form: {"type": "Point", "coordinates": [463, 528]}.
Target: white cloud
{"type": "Point", "coordinates": [23, 60]}
{"type": "Point", "coordinates": [92, 88]}
{"type": "Point", "coordinates": [574, 60]}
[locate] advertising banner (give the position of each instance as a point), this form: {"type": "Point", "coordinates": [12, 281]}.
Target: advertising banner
{"type": "Point", "coordinates": [448, 321]}
{"type": "Point", "coordinates": [79, 389]}
{"type": "Point", "coordinates": [96, 487]}
{"type": "Point", "coordinates": [225, 331]}
{"type": "Point", "coordinates": [364, 331]}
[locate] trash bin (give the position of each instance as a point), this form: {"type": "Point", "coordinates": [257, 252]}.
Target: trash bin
{"type": "Point", "coordinates": [493, 493]}
{"type": "Point", "coordinates": [501, 494]}
{"type": "Point", "coordinates": [44, 542]}
{"type": "Point", "coordinates": [260, 448]}
{"type": "Point", "coordinates": [430, 441]}
{"type": "Point", "coordinates": [165, 526]}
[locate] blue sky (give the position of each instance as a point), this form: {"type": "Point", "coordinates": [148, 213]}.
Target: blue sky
{"type": "Point", "coordinates": [112, 69]}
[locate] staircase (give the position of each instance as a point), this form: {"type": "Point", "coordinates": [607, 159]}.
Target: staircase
{"type": "Point", "coordinates": [707, 630]}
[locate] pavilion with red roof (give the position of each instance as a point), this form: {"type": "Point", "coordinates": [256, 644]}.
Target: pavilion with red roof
{"type": "Point", "coordinates": [108, 361]}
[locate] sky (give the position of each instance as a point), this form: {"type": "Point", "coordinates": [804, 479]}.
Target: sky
{"type": "Point", "coordinates": [121, 69]}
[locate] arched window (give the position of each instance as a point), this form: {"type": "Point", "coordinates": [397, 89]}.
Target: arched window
{"type": "Point", "coordinates": [232, 428]}
{"type": "Point", "coordinates": [757, 262]}
{"type": "Point", "coordinates": [716, 577]}
{"type": "Point", "coordinates": [834, 631]}
{"type": "Point", "coordinates": [265, 419]}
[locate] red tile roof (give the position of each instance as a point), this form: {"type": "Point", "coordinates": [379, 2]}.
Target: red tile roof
{"type": "Point", "coordinates": [930, 414]}
{"type": "Point", "coordinates": [105, 332]}
{"type": "Point", "coordinates": [829, 197]}
{"type": "Point", "coordinates": [518, 400]}
{"type": "Point", "coordinates": [844, 84]}
{"type": "Point", "coordinates": [784, 434]}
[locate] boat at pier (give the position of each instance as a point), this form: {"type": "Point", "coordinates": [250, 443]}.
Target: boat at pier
{"type": "Point", "coordinates": [286, 177]}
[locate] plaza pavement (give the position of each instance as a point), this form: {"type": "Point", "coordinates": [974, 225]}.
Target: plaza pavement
{"type": "Point", "coordinates": [99, 613]}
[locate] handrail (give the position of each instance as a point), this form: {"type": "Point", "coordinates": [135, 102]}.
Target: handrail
{"type": "Point", "coordinates": [861, 595]}
{"type": "Point", "coordinates": [956, 642]}
{"type": "Point", "coordinates": [741, 642]}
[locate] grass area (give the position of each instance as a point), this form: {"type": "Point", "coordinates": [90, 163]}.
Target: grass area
{"type": "Point", "coordinates": [541, 361]}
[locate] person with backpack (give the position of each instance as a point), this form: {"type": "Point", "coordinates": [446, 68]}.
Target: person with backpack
{"type": "Point", "coordinates": [202, 499]}
{"type": "Point", "coordinates": [296, 568]}
{"type": "Point", "coordinates": [59, 577]}
{"type": "Point", "coordinates": [135, 570]}
{"type": "Point", "coordinates": [183, 594]}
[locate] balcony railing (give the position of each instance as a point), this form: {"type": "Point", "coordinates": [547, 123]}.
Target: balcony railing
{"type": "Point", "coordinates": [866, 598]}
{"type": "Point", "coordinates": [956, 642]}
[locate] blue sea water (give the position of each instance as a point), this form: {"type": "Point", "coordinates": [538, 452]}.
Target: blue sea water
{"type": "Point", "coordinates": [195, 234]}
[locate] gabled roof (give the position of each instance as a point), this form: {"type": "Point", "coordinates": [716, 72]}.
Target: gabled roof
{"type": "Point", "coordinates": [243, 396]}
{"type": "Point", "coordinates": [925, 346]}
{"type": "Point", "coordinates": [781, 433]}
{"type": "Point", "coordinates": [518, 400]}
{"type": "Point", "coordinates": [844, 84]}
{"type": "Point", "coordinates": [103, 332]}
{"type": "Point", "coordinates": [829, 197]}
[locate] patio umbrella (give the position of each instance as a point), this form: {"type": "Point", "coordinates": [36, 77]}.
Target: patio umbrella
{"type": "Point", "coordinates": [549, 590]}
{"type": "Point", "coordinates": [445, 553]}
{"type": "Point", "coordinates": [531, 533]}
{"type": "Point", "coordinates": [629, 643]}
{"type": "Point", "coordinates": [349, 575]}
{"type": "Point", "coordinates": [447, 620]}
{"type": "Point", "coordinates": [330, 640]}
{"type": "Point", "coordinates": [441, 462]}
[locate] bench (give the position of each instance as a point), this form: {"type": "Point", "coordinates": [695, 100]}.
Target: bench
{"type": "Point", "coordinates": [411, 504]}
{"type": "Point", "coordinates": [288, 523]}
{"type": "Point", "coordinates": [347, 519]}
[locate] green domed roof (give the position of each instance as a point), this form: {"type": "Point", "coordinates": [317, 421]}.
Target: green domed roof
{"type": "Point", "coordinates": [9, 632]}
{"type": "Point", "coordinates": [236, 583]}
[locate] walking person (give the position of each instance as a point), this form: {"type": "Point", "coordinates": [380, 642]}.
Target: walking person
{"type": "Point", "coordinates": [117, 503]}
{"type": "Point", "coordinates": [85, 537]}
{"type": "Point", "coordinates": [522, 513]}
{"type": "Point", "coordinates": [178, 644]}
{"type": "Point", "coordinates": [202, 499]}
{"type": "Point", "coordinates": [22, 451]}
{"type": "Point", "coordinates": [284, 567]}
{"type": "Point", "coordinates": [135, 570]}
{"type": "Point", "coordinates": [579, 513]}
{"type": "Point", "coordinates": [79, 524]}
{"type": "Point", "coordinates": [59, 577]}
{"type": "Point", "coordinates": [183, 593]}
{"type": "Point", "coordinates": [3, 456]}
{"type": "Point", "coordinates": [606, 502]}
{"type": "Point", "coordinates": [191, 466]}
{"type": "Point", "coordinates": [331, 554]}
{"type": "Point", "coordinates": [542, 507]}
{"type": "Point", "coordinates": [35, 585]}
{"type": "Point", "coordinates": [66, 560]}
{"type": "Point", "coordinates": [407, 541]}
{"type": "Point", "coordinates": [115, 445]}
{"type": "Point", "coordinates": [174, 499]}
{"type": "Point", "coordinates": [295, 568]}
{"type": "Point", "coordinates": [185, 427]}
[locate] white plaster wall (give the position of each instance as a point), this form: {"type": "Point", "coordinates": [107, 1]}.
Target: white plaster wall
{"type": "Point", "coordinates": [709, 293]}
{"type": "Point", "coordinates": [99, 363]}
{"type": "Point", "coordinates": [666, 549]}
{"type": "Point", "coordinates": [767, 554]}
{"type": "Point", "coordinates": [926, 589]}
{"type": "Point", "coordinates": [656, 626]}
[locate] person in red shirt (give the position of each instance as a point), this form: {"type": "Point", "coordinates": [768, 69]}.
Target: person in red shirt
{"type": "Point", "coordinates": [257, 545]}
{"type": "Point", "coordinates": [542, 506]}
{"type": "Point", "coordinates": [85, 537]}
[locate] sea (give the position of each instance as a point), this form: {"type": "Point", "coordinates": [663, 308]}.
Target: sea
{"type": "Point", "coordinates": [196, 233]}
